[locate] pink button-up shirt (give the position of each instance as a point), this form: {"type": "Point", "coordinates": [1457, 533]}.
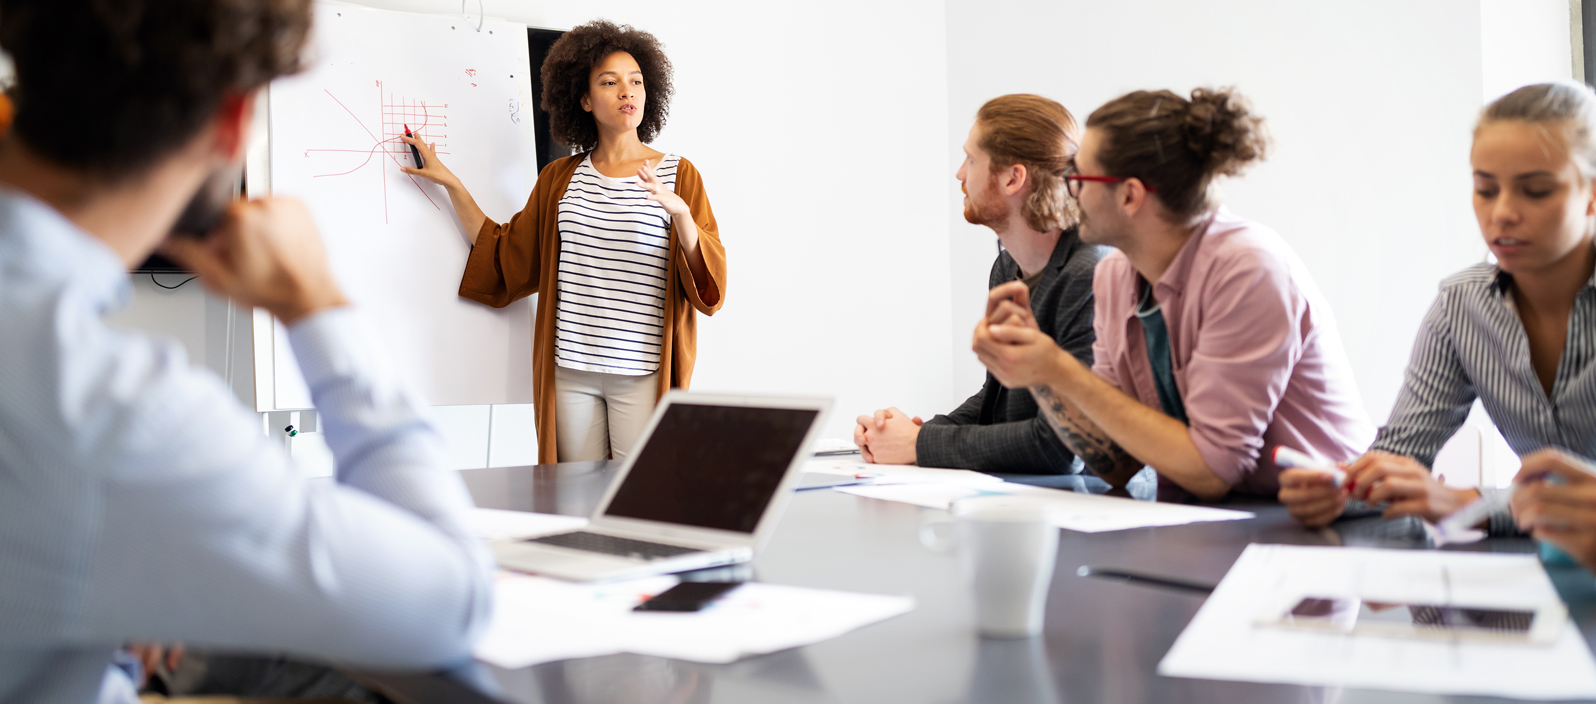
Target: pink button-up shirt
{"type": "Point", "coordinates": [1254, 347]}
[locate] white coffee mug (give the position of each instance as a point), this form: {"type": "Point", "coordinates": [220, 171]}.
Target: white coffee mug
{"type": "Point", "coordinates": [1006, 548]}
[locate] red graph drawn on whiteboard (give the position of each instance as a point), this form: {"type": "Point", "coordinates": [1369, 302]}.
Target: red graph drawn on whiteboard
{"type": "Point", "coordinates": [426, 123]}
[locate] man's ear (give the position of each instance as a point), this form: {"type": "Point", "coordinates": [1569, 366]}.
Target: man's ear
{"type": "Point", "coordinates": [1132, 196]}
{"type": "Point", "coordinates": [233, 120]}
{"type": "Point", "coordinates": [1014, 179]}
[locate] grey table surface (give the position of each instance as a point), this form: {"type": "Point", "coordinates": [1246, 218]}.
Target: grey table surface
{"type": "Point", "coordinates": [1102, 641]}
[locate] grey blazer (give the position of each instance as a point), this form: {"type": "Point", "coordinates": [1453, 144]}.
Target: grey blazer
{"type": "Point", "coordinates": [998, 429]}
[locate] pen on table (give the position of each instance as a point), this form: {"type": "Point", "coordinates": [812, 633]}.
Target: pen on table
{"type": "Point", "coordinates": [414, 153]}
{"type": "Point", "coordinates": [856, 482]}
{"type": "Point", "coordinates": [836, 453]}
{"type": "Point", "coordinates": [1287, 457]}
{"type": "Point", "coordinates": [1151, 580]}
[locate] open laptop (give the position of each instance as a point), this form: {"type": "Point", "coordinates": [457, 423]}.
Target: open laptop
{"type": "Point", "coordinates": [705, 487]}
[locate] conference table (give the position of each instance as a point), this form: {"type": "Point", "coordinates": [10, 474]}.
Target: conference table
{"type": "Point", "coordinates": [1102, 642]}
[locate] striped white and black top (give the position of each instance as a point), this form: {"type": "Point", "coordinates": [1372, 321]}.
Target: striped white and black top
{"type": "Point", "coordinates": [614, 247]}
{"type": "Point", "coordinates": [1473, 345]}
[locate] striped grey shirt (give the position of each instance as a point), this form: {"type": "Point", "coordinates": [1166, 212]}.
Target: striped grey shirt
{"type": "Point", "coordinates": [1473, 345]}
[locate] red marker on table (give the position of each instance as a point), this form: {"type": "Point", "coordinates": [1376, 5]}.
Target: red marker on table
{"type": "Point", "coordinates": [414, 153]}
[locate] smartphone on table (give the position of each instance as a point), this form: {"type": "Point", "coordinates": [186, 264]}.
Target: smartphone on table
{"type": "Point", "coordinates": [687, 596]}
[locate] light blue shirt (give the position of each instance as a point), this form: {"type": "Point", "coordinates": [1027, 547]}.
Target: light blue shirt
{"type": "Point", "coordinates": [140, 501]}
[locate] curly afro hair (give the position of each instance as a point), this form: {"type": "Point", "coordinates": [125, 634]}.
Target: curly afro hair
{"type": "Point", "coordinates": [569, 66]}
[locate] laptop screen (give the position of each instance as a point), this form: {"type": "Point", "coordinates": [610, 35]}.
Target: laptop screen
{"type": "Point", "coordinates": [712, 466]}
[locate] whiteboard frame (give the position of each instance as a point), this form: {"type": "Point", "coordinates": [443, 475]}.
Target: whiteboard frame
{"type": "Point", "coordinates": [258, 172]}
{"type": "Point", "coordinates": [258, 178]}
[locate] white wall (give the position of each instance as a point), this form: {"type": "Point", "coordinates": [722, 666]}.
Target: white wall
{"type": "Point", "coordinates": [1370, 103]}
{"type": "Point", "coordinates": [1523, 42]}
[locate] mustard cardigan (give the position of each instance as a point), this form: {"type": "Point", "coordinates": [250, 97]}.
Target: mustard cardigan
{"type": "Point", "coordinates": [520, 258]}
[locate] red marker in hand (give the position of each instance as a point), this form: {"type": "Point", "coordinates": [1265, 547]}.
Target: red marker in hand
{"type": "Point", "coordinates": [414, 153]}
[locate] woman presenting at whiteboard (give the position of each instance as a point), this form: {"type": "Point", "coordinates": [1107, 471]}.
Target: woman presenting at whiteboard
{"type": "Point", "coordinates": [619, 238]}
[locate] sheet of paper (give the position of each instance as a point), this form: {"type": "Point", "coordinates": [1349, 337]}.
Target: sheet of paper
{"type": "Point", "coordinates": [1087, 513]}
{"type": "Point", "coordinates": [900, 474]}
{"type": "Point", "coordinates": [538, 620]}
{"type": "Point", "coordinates": [1224, 641]}
{"type": "Point", "coordinates": [928, 495]}
{"type": "Point", "coordinates": [497, 524]}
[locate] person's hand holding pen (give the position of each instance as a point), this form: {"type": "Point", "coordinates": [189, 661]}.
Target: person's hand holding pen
{"type": "Point", "coordinates": [471, 216]}
{"type": "Point", "coordinates": [431, 168]}
{"type": "Point", "coordinates": [1400, 483]}
{"type": "Point", "coordinates": [1312, 496]}
{"type": "Point", "coordinates": [1555, 500]}
{"type": "Point", "coordinates": [1406, 487]}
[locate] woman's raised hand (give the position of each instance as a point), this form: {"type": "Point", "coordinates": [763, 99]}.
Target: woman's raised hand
{"type": "Point", "coordinates": [658, 193]}
{"type": "Point", "coordinates": [433, 170]}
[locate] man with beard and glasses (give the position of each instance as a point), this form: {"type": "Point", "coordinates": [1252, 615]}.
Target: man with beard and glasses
{"type": "Point", "coordinates": [139, 501]}
{"type": "Point", "coordinates": [1214, 345]}
{"type": "Point", "coordinates": [1012, 177]}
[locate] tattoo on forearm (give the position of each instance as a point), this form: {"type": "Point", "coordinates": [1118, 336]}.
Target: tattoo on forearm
{"type": "Point", "coordinates": [1097, 451]}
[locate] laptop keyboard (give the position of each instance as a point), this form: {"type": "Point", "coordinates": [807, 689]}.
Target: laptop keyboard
{"type": "Point", "coordinates": [609, 544]}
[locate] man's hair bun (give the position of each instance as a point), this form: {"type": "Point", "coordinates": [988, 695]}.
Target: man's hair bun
{"type": "Point", "coordinates": [1221, 128]}
{"type": "Point", "coordinates": [1178, 146]}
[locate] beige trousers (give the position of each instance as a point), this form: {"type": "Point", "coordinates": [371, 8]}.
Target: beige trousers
{"type": "Point", "coordinates": [598, 415]}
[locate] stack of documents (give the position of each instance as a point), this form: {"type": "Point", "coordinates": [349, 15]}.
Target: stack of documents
{"type": "Point", "coordinates": [1225, 640]}
{"type": "Point", "coordinates": [538, 620]}
{"type": "Point", "coordinates": [1087, 513]}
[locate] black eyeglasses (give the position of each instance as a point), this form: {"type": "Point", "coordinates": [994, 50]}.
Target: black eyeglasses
{"type": "Point", "coordinates": [1073, 180]}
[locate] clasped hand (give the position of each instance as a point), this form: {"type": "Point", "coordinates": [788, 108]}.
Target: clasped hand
{"type": "Point", "coordinates": [888, 437]}
{"type": "Point", "coordinates": [1011, 344]}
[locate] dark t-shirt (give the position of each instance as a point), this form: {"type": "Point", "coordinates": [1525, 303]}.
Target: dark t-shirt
{"type": "Point", "coordinates": [1158, 357]}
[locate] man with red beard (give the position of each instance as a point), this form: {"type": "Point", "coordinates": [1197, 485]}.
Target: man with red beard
{"type": "Point", "coordinates": [1013, 182]}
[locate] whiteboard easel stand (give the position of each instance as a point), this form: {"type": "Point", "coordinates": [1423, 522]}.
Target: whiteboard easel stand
{"type": "Point", "coordinates": [257, 177]}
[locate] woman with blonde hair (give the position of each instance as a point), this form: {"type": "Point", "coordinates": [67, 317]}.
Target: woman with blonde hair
{"type": "Point", "coordinates": [1518, 333]}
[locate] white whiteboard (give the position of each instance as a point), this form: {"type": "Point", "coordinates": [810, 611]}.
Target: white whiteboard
{"type": "Point", "coordinates": [393, 240]}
